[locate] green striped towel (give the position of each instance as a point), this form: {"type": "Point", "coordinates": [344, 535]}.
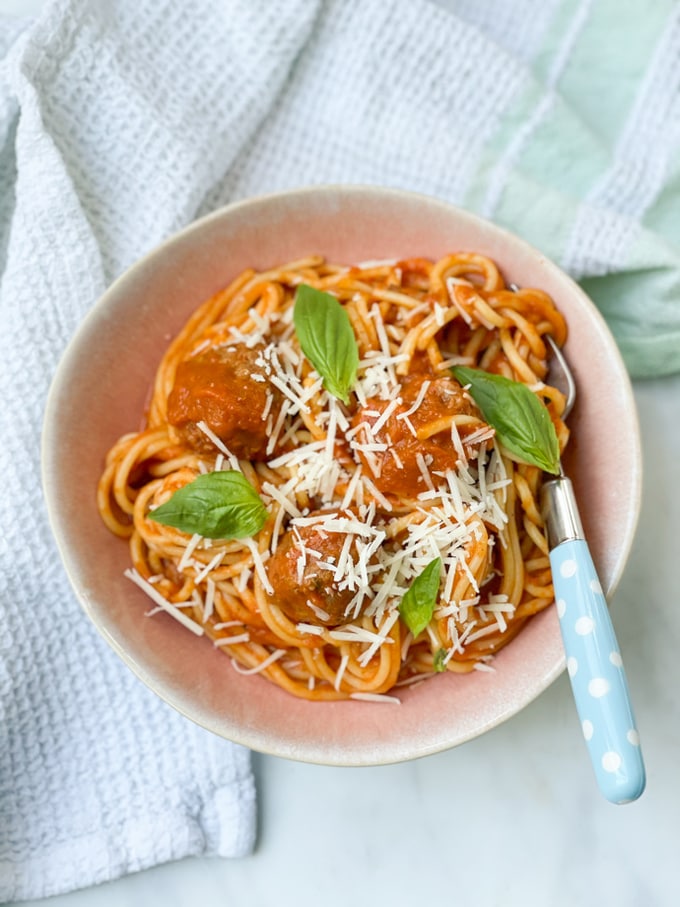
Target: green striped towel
{"type": "Point", "coordinates": [583, 159]}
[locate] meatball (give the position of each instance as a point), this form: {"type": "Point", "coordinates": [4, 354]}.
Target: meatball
{"type": "Point", "coordinates": [304, 587]}
{"type": "Point", "coordinates": [396, 470]}
{"type": "Point", "coordinates": [225, 387]}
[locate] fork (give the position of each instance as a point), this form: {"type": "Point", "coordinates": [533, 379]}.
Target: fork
{"type": "Point", "coordinates": [594, 659]}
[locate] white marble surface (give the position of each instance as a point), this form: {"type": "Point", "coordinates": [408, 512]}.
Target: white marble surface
{"type": "Point", "coordinates": [512, 818]}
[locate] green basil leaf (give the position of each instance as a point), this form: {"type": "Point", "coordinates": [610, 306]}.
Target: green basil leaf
{"type": "Point", "coordinates": [438, 662]}
{"type": "Point", "coordinates": [327, 339]}
{"type": "Point", "coordinates": [216, 505]}
{"type": "Point", "coordinates": [522, 423]}
{"type": "Point", "coordinates": [417, 605]}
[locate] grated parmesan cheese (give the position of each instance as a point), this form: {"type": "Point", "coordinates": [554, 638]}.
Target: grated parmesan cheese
{"type": "Point", "coordinates": [162, 602]}
{"type": "Point", "coordinates": [275, 656]}
{"type": "Point", "coordinates": [219, 444]}
{"type": "Point", "coordinates": [375, 697]}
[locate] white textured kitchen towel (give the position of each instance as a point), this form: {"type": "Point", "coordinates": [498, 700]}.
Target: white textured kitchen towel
{"type": "Point", "coordinates": [122, 120]}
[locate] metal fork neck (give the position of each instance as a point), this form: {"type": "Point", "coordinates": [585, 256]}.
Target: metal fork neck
{"type": "Point", "coordinates": [560, 512]}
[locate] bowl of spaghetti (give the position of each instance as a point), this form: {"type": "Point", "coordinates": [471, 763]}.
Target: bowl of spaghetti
{"type": "Point", "coordinates": [279, 498]}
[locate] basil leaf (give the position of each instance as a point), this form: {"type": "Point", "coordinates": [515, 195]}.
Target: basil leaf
{"type": "Point", "coordinates": [438, 662]}
{"type": "Point", "coordinates": [216, 505]}
{"type": "Point", "coordinates": [522, 423]}
{"type": "Point", "coordinates": [327, 339]}
{"type": "Point", "coordinates": [417, 605]}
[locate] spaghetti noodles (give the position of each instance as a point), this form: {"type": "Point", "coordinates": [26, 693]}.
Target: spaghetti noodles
{"type": "Point", "coordinates": [360, 496]}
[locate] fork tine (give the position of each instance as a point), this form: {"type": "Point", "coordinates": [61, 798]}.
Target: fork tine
{"type": "Point", "coordinates": [570, 384]}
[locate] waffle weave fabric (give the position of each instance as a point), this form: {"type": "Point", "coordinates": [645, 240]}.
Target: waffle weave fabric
{"type": "Point", "coordinates": [122, 121]}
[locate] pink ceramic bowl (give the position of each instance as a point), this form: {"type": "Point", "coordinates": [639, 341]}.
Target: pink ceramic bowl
{"type": "Point", "coordinates": [99, 393]}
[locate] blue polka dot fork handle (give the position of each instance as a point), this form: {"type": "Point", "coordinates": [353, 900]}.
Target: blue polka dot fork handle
{"type": "Point", "coordinates": [594, 660]}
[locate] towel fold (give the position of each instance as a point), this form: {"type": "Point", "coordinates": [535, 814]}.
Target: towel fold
{"type": "Point", "coordinates": [122, 121]}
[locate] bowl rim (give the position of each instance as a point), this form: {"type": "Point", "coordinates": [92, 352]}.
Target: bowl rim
{"type": "Point", "coordinates": [58, 384]}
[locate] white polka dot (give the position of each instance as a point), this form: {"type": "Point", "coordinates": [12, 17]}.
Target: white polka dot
{"type": "Point", "coordinates": [595, 586]}
{"type": "Point", "coordinates": [572, 666]}
{"type": "Point", "coordinates": [584, 626]}
{"type": "Point", "coordinates": [616, 659]}
{"type": "Point", "coordinates": [568, 568]}
{"type": "Point", "coordinates": [611, 762]}
{"type": "Point", "coordinates": [598, 686]}
{"type": "Point", "coordinates": [561, 607]}
{"type": "Point", "coordinates": [587, 729]}
{"type": "Point", "coordinates": [633, 737]}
